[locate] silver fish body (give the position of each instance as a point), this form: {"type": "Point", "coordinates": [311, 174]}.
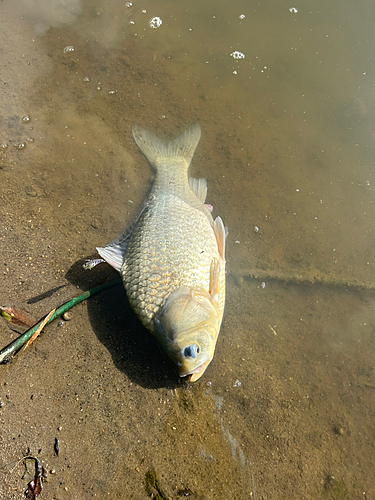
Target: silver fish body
{"type": "Point", "coordinates": [172, 260]}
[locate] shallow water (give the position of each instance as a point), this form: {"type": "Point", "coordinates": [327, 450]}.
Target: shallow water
{"type": "Point", "coordinates": [286, 408]}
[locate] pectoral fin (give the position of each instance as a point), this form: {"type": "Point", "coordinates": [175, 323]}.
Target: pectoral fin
{"type": "Point", "coordinates": [220, 234]}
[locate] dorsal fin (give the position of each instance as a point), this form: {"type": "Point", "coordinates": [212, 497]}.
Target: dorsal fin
{"type": "Point", "coordinates": [113, 254]}
{"type": "Point", "coordinates": [114, 251]}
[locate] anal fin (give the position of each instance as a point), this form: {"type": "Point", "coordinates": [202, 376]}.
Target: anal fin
{"type": "Point", "coordinates": [199, 187]}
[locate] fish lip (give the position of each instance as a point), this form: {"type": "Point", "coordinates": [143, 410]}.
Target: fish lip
{"type": "Point", "coordinates": [194, 376]}
{"type": "Point", "coordinates": [198, 369]}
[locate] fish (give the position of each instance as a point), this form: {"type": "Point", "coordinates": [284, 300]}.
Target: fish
{"type": "Point", "coordinates": [172, 258]}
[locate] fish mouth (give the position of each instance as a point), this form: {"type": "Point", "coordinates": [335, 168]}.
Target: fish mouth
{"type": "Point", "coordinates": [183, 371]}
{"type": "Point", "coordinates": [198, 369]}
{"type": "Point", "coordinates": [198, 372]}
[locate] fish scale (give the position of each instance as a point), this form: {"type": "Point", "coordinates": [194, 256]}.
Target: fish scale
{"type": "Point", "coordinates": [166, 251]}
{"type": "Point", "coordinates": [172, 260]}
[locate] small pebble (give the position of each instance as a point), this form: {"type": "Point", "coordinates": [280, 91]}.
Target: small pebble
{"type": "Point", "coordinates": [239, 280]}
{"type": "Point", "coordinates": [338, 430]}
{"type": "Point", "coordinates": [56, 447]}
{"type": "Point", "coordinates": [67, 316]}
{"type": "Point", "coordinates": [31, 192]}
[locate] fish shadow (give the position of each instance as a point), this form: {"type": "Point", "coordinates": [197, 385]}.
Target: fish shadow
{"type": "Point", "coordinates": [133, 349]}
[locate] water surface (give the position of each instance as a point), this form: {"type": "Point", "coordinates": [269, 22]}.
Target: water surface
{"type": "Point", "coordinates": [284, 94]}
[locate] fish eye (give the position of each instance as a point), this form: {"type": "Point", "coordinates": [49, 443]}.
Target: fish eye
{"type": "Point", "coordinates": [191, 351]}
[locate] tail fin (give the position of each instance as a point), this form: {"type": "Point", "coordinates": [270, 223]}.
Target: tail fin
{"type": "Point", "coordinates": [156, 149]}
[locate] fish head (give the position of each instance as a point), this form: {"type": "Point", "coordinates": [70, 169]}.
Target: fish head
{"type": "Point", "coordinates": [187, 327]}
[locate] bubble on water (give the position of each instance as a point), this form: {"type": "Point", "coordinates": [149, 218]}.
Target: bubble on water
{"type": "Point", "coordinates": [68, 48]}
{"type": "Point", "coordinates": [86, 79]}
{"type": "Point", "coordinates": [155, 22]}
{"type": "Point", "coordinates": [238, 55]}
{"type": "Point", "coordinates": [293, 10]}
{"type": "Point", "coordinates": [26, 119]}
